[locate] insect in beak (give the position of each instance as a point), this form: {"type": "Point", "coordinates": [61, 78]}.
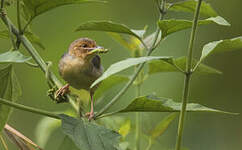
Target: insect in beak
{"type": "Point", "coordinates": [96, 50]}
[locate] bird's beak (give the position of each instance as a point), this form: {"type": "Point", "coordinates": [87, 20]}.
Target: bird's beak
{"type": "Point", "coordinates": [99, 47]}
{"type": "Point", "coordinates": [97, 50]}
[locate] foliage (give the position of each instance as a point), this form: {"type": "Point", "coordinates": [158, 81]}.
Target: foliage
{"type": "Point", "coordinates": [88, 135]}
{"type": "Point", "coordinates": [10, 89]}
{"type": "Point", "coordinates": [124, 64]}
{"type": "Point", "coordinates": [13, 56]}
{"type": "Point", "coordinates": [156, 104]}
{"type": "Point", "coordinates": [179, 65]}
{"type": "Point", "coordinates": [174, 25]}
{"type": "Point", "coordinates": [101, 133]}
{"type": "Point", "coordinates": [34, 8]}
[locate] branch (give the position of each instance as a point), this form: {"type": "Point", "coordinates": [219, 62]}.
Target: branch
{"type": "Point", "coordinates": [37, 58]}
{"type": "Point", "coordinates": [2, 4]}
{"type": "Point", "coordinates": [29, 109]}
{"type": "Point", "coordinates": [187, 79]}
{"type": "Point", "coordinates": [3, 142]}
{"type": "Point", "coordinates": [19, 16]}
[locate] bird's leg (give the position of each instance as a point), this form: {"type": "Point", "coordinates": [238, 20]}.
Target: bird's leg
{"type": "Point", "coordinates": [90, 114]}
{"type": "Point", "coordinates": [62, 91]}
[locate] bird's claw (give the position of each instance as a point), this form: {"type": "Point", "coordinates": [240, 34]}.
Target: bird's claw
{"type": "Point", "coordinates": [90, 115]}
{"type": "Point", "coordinates": [62, 91]}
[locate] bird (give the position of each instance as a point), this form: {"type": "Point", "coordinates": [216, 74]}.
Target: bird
{"type": "Point", "coordinates": [80, 67]}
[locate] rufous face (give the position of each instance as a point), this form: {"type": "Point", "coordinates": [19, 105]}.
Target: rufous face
{"type": "Point", "coordinates": [81, 47]}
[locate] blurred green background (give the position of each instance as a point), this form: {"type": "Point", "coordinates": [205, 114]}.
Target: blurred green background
{"type": "Point", "coordinates": [203, 131]}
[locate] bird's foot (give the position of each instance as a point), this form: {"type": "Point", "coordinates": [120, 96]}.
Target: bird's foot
{"type": "Point", "coordinates": [62, 91]}
{"type": "Point", "coordinates": [90, 115]}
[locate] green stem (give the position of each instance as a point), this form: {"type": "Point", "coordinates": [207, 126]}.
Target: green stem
{"type": "Point", "coordinates": [32, 64]}
{"type": "Point", "coordinates": [38, 59]}
{"type": "Point", "coordinates": [26, 25]}
{"type": "Point", "coordinates": [149, 144]}
{"type": "Point", "coordinates": [2, 4]}
{"type": "Point", "coordinates": [3, 142]}
{"type": "Point", "coordinates": [18, 42]}
{"type": "Point", "coordinates": [138, 129]}
{"type": "Point", "coordinates": [11, 36]}
{"type": "Point", "coordinates": [139, 68]}
{"type": "Point", "coordinates": [138, 114]}
{"type": "Point", "coordinates": [192, 38]}
{"type": "Point", "coordinates": [187, 77]}
{"type": "Point", "coordinates": [29, 109]}
{"type": "Point", "coordinates": [18, 16]}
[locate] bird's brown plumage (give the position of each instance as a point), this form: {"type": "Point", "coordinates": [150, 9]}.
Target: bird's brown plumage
{"type": "Point", "coordinates": [78, 67]}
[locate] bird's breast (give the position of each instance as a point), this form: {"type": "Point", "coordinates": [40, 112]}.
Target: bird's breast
{"type": "Point", "coordinates": [77, 72]}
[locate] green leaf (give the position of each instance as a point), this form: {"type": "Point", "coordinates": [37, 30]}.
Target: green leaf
{"type": "Point", "coordinates": [4, 34]}
{"type": "Point", "coordinates": [129, 42]}
{"type": "Point", "coordinates": [157, 104]}
{"type": "Point", "coordinates": [158, 66]}
{"type": "Point", "coordinates": [45, 128]}
{"type": "Point", "coordinates": [34, 39]}
{"type": "Point", "coordinates": [13, 57]}
{"type": "Point", "coordinates": [33, 8]}
{"type": "Point", "coordinates": [8, 2]}
{"type": "Point", "coordinates": [221, 46]}
{"type": "Point", "coordinates": [110, 26]}
{"type": "Point", "coordinates": [108, 83]}
{"type": "Point", "coordinates": [67, 143]}
{"type": "Point", "coordinates": [124, 145]}
{"type": "Point", "coordinates": [149, 40]}
{"type": "Point", "coordinates": [174, 25]}
{"type": "Point", "coordinates": [89, 136]}
{"type": "Point", "coordinates": [124, 64]}
{"type": "Point", "coordinates": [9, 89]}
{"type": "Point", "coordinates": [190, 6]}
{"type": "Point", "coordinates": [125, 128]}
{"type": "Point", "coordinates": [162, 126]}
{"type": "Point", "coordinates": [112, 122]}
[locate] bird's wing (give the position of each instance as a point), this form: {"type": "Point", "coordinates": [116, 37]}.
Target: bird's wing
{"type": "Point", "coordinates": [96, 61]}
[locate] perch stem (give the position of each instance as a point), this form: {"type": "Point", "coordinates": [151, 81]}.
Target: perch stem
{"type": "Point", "coordinates": [29, 109]}
{"type": "Point", "coordinates": [187, 78]}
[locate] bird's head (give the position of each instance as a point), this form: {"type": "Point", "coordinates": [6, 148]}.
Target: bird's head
{"type": "Point", "coordinates": [85, 48]}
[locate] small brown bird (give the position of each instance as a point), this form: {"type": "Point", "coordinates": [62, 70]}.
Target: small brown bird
{"type": "Point", "coordinates": [80, 67]}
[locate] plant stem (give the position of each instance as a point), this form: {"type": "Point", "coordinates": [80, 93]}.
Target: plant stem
{"type": "Point", "coordinates": [187, 79]}
{"type": "Point", "coordinates": [149, 144]}
{"type": "Point", "coordinates": [32, 64]}
{"type": "Point", "coordinates": [2, 3]}
{"type": "Point", "coordinates": [18, 16]}
{"type": "Point", "coordinates": [162, 10]}
{"type": "Point", "coordinates": [138, 129]}
{"type": "Point", "coordinates": [133, 77]}
{"type": "Point", "coordinates": [11, 36]}
{"type": "Point", "coordinates": [3, 142]}
{"type": "Point", "coordinates": [138, 114]}
{"type": "Point", "coordinates": [38, 59]}
{"type": "Point", "coordinates": [29, 109]}
{"type": "Point", "coordinates": [18, 42]}
{"type": "Point", "coordinates": [138, 123]}
{"type": "Point", "coordinates": [26, 25]}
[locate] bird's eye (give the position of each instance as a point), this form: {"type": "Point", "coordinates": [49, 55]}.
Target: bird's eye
{"type": "Point", "coordinates": [84, 45]}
